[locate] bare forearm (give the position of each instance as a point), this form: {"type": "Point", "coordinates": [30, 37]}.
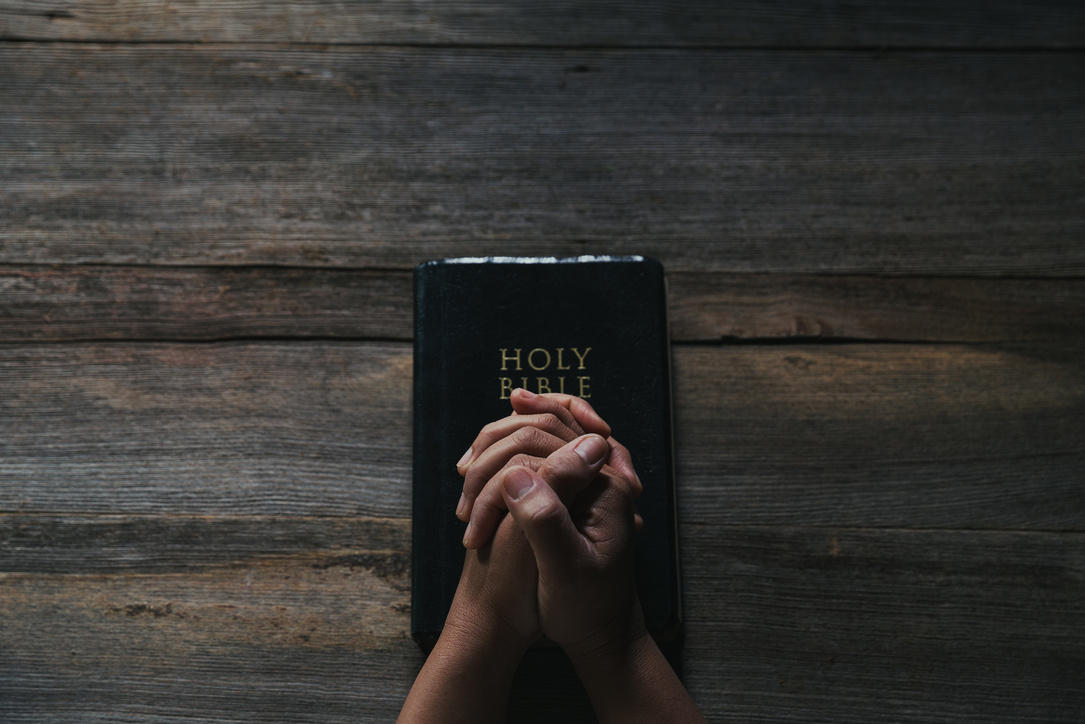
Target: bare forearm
{"type": "Point", "coordinates": [467, 678]}
{"type": "Point", "coordinates": [634, 683]}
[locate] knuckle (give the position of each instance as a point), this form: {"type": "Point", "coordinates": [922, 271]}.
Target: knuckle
{"type": "Point", "coordinates": [488, 431]}
{"type": "Point", "coordinates": [547, 514]}
{"type": "Point", "coordinates": [529, 437]}
{"type": "Point", "coordinates": [554, 425]}
{"type": "Point", "coordinates": [583, 406]}
{"type": "Point", "coordinates": [523, 460]}
{"type": "Point", "coordinates": [550, 421]}
{"type": "Point", "coordinates": [562, 464]}
{"type": "Point", "coordinates": [619, 480]}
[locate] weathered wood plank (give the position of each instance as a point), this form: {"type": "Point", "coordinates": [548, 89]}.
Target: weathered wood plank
{"type": "Point", "coordinates": [999, 23]}
{"type": "Point", "coordinates": [166, 544]}
{"type": "Point", "coordinates": [297, 639]}
{"type": "Point", "coordinates": [897, 436]}
{"type": "Point", "coordinates": [708, 307]}
{"type": "Point", "coordinates": [274, 429]}
{"type": "Point", "coordinates": [908, 436]}
{"type": "Point", "coordinates": [74, 303]}
{"type": "Point", "coordinates": [204, 303]}
{"type": "Point", "coordinates": [860, 626]}
{"type": "Point", "coordinates": [820, 625]}
{"type": "Point", "coordinates": [898, 163]}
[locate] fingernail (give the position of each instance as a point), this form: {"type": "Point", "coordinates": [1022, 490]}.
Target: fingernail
{"type": "Point", "coordinates": [592, 449]}
{"type": "Point", "coordinates": [461, 505]}
{"type": "Point", "coordinates": [465, 459]}
{"type": "Point", "coordinates": [518, 483]}
{"type": "Point", "coordinates": [467, 535]}
{"type": "Point", "coordinates": [526, 394]}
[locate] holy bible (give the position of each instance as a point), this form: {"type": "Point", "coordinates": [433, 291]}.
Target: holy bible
{"type": "Point", "coordinates": [595, 327]}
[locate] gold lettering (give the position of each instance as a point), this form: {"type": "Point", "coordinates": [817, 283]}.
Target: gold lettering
{"type": "Point", "coordinates": [561, 365]}
{"type": "Point", "coordinates": [540, 359]}
{"type": "Point", "coordinates": [580, 357]}
{"type": "Point", "coordinates": [531, 359]}
{"type": "Point", "coordinates": [505, 359]}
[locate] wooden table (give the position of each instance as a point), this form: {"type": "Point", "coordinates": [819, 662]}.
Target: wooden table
{"type": "Point", "coordinates": [872, 216]}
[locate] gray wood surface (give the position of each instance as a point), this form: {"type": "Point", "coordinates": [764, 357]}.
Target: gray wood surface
{"type": "Point", "coordinates": [71, 303]}
{"type": "Point", "coordinates": [834, 624]}
{"type": "Point", "coordinates": [929, 164]}
{"type": "Point", "coordinates": [871, 216]}
{"type": "Point", "coordinates": [886, 625]}
{"type": "Point", "coordinates": [714, 23]}
{"type": "Point", "coordinates": [77, 303]}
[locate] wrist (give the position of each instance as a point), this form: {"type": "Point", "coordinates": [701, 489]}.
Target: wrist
{"type": "Point", "coordinates": [630, 681]}
{"type": "Point", "coordinates": [611, 637]}
{"type": "Point", "coordinates": [468, 676]}
{"type": "Point", "coordinates": [478, 633]}
{"type": "Point", "coordinates": [612, 642]}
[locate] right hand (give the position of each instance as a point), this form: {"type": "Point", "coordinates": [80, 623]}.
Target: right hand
{"type": "Point", "coordinates": [587, 596]}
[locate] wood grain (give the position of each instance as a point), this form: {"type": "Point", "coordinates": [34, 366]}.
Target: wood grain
{"type": "Point", "coordinates": [300, 639]}
{"type": "Point", "coordinates": [911, 436]}
{"type": "Point", "coordinates": [871, 217]}
{"type": "Point", "coordinates": [184, 428]}
{"type": "Point", "coordinates": [72, 303]}
{"type": "Point", "coordinates": [711, 307]}
{"type": "Point", "coordinates": [904, 626]}
{"type": "Point", "coordinates": [78, 303]}
{"type": "Point", "coordinates": [932, 164]}
{"type": "Point", "coordinates": [999, 23]}
{"type": "Point", "coordinates": [902, 436]}
{"type": "Point", "coordinates": [783, 624]}
{"type": "Point", "coordinates": [170, 543]}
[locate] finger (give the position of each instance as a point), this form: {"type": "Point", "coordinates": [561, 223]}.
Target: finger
{"type": "Point", "coordinates": [487, 510]}
{"type": "Point", "coordinates": [585, 416]}
{"type": "Point", "coordinates": [503, 428]}
{"type": "Point", "coordinates": [578, 408]}
{"type": "Point", "coordinates": [528, 440]}
{"type": "Point", "coordinates": [569, 470]}
{"type": "Point", "coordinates": [545, 520]}
{"type": "Point", "coordinates": [604, 513]}
{"type": "Point", "coordinates": [525, 402]}
{"type": "Point", "coordinates": [622, 462]}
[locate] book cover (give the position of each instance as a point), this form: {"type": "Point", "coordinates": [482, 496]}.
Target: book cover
{"type": "Point", "coordinates": [595, 327]}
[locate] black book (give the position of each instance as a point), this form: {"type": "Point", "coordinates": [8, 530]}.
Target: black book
{"type": "Point", "coordinates": [595, 327]}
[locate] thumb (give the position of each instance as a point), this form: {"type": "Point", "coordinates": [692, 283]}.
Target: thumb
{"type": "Point", "coordinates": [542, 517]}
{"type": "Point", "coordinates": [572, 467]}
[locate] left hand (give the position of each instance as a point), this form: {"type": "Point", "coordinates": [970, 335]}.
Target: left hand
{"type": "Point", "coordinates": [497, 589]}
{"type": "Point", "coordinates": [494, 618]}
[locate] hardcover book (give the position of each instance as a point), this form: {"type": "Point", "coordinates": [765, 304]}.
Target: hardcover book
{"type": "Point", "coordinates": [595, 327]}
